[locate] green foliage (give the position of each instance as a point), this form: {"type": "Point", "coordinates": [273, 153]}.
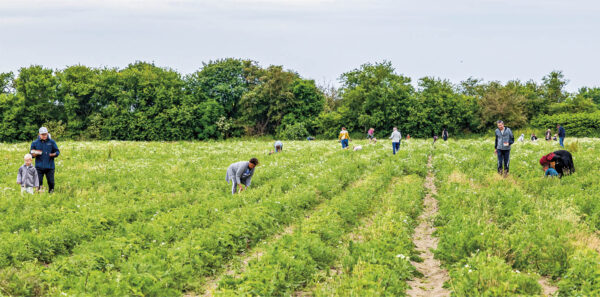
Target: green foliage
{"type": "Point", "coordinates": [580, 124]}
{"type": "Point", "coordinates": [491, 276]}
{"type": "Point", "coordinates": [501, 103]}
{"type": "Point", "coordinates": [374, 96]}
{"type": "Point", "coordinates": [583, 276]}
{"type": "Point", "coordinates": [234, 97]}
{"type": "Point", "coordinates": [295, 131]}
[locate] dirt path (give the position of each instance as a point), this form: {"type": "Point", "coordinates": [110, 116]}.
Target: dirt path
{"type": "Point", "coordinates": [433, 275]}
{"type": "Point", "coordinates": [547, 288]}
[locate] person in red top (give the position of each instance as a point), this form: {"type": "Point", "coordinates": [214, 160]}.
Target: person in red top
{"type": "Point", "coordinates": [560, 160]}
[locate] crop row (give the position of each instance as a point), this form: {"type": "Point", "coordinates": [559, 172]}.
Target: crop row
{"type": "Point", "coordinates": [171, 252]}
{"type": "Point", "coordinates": [299, 258]}
{"type": "Point", "coordinates": [376, 261]}
{"type": "Point", "coordinates": [498, 235]}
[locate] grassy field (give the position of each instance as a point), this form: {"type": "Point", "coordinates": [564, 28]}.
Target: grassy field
{"type": "Point", "coordinates": [158, 219]}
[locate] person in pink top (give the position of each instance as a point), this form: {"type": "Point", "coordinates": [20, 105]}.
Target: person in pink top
{"type": "Point", "coordinates": [371, 135]}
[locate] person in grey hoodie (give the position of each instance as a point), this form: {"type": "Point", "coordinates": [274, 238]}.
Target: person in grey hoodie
{"type": "Point", "coordinates": [240, 173]}
{"type": "Point", "coordinates": [504, 139]}
{"type": "Point", "coordinates": [395, 137]}
{"type": "Point", "coordinates": [28, 176]}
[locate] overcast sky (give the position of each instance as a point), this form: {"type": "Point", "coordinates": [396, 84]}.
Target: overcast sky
{"type": "Point", "coordinates": [320, 39]}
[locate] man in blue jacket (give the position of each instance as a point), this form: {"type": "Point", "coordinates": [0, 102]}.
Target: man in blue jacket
{"type": "Point", "coordinates": [44, 150]}
{"type": "Point", "coordinates": [504, 139]}
{"type": "Point", "coordinates": [561, 135]}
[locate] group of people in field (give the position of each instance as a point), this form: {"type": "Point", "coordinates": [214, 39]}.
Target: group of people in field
{"type": "Point", "coordinates": [44, 150]}
{"type": "Point", "coordinates": [557, 163]}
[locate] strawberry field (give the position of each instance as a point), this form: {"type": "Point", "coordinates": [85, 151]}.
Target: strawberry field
{"type": "Point", "coordinates": [158, 219]}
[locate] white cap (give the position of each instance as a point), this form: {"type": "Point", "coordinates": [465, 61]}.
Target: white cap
{"type": "Point", "coordinates": [43, 130]}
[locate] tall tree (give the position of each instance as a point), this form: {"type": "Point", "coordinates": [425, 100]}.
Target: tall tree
{"type": "Point", "coordinates": [502, 103]}
{"type": "Point", "coordinates": [265, 106]}
{"type": "Point", "coordinates": [76, 91]}
{"type": "Point", "coordinates": [375, 96]}
{"type": "Point", "coordinates": [553, 85]}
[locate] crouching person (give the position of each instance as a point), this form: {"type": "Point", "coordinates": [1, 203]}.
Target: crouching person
{"type": "Point", "coordinates": [240, 174]}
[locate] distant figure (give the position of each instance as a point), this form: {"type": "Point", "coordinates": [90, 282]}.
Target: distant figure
{"type": "Point", "coordinates": [504, 139]}
{"type": "Point", "coordinates": [357, 148]}
{"type": "Point", "coordinates": [371, 135]}
{"type": "Point", "coordinates": [28, 176]}
{"type": "Point", "coordinates": [240, 174]}
{"type": "Point", "coordinates": [407, 136]}
{"type": "Point", "coordinates": [445, 134]}
{"type": "Point", "coordinates": [395, 137]}
{"type": "Point", "coordinates": [554, 138]}
{"type": "Point", "coordinates": [435, 138]}
{"type": "Point", "coordinates": [278, 146]}
{"type": "Point", "coordinates": [548, 135]}
{"type": "Point", "coordinates": [561, 161]}
{"type": "Point", "coordinates": [344, 137]}
{"type": "Point", "coordinates": [309, 138]}
{"type": "Point", "coordinates": [533, 137]}
{"type": "Point", "coordinates": [561, 135]}
{"type": "Point", "coordinates": [521, 138]}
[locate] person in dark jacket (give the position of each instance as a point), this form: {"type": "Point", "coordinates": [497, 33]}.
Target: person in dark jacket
{"type": "Point", "coordinates": [561, 161]}
{"type": "Point", "coordinates": [445, 134]}
{"type": "Point", "coordinates": [561, 135]}
{"type": "Point", "coordinates": [45, 150]}
{"type": "Point", "coordinates": [504, 139]}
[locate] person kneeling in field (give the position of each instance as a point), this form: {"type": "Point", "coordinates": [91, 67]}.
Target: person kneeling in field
{"type": "Point", "coordinates": [28, 176]}
{"type": "Point", "coordinates": [549, 171]}
{"type": "Point", "coordinates": [278, 146]}
{"type": "Point", "coordinates": [561, 161]}
{"type": "Point", "coordinates": [240, 174]}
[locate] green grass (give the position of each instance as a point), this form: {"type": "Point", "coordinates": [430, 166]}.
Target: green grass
{"type": "Point", "coordinates": [158, 219]}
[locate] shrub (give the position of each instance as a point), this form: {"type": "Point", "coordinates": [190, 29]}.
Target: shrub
{"type": "Point", "coordinates": [578, 124]}
{"type": "Point", "coordinates": [296, 131]}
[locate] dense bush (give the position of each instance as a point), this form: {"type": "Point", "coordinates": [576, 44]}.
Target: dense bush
{"type": "Point", "coordinates": [578, 124]}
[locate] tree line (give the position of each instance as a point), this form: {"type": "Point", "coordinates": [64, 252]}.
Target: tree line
{"type": "Point", "coordinates": [234, 97]}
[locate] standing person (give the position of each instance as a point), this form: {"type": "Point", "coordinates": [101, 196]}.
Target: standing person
{"type": "Point", "coordinates": [504, 139]}
{"type": "Point", "coordinates": [45, 150]}
{"type": "Point", "coordinates": [28, 176]}
{"type": "Point", "coordinates": [561, 135]}
{"type": "Point", "coordinates": [548, 135]}
{"type": "Point", "coordinates": [344, 137]}
{"type": "Point", "coordinates": [370, 135]}
{"type": "Point", "coordinates": [240, 174]}
{"type": "Point", "coordinates": [445, 134]}
{"type": "Point", "coordinates": [278, 146]}
{"type": "Point", "coordinates": [395, 137]}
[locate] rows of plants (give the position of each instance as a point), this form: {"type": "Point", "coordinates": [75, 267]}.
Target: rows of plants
{"type": "Point", "coordinates": [306, 255]}
{"type": "Point", "coordinates": [376, 262]}
{"type": "Point", "coordinates": [169, 249]}
{"type": "Point", "coordinates": [498, 235]}
{"type": "Point", "coordinates": [68, 219]}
